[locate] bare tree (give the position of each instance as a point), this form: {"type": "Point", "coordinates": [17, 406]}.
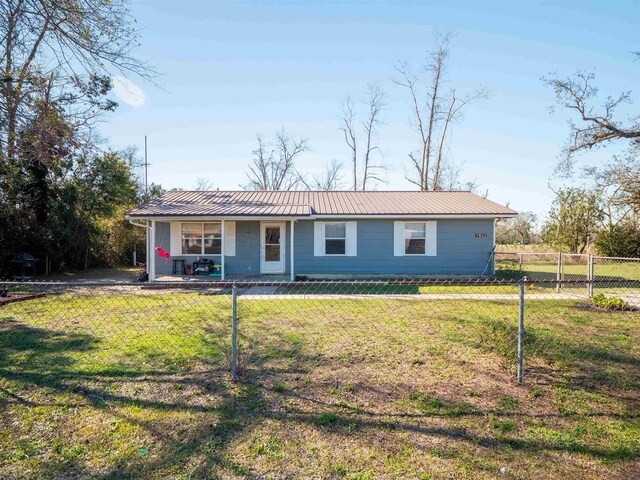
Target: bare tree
{"type": "Point", "coordinates": [348, 114]}
{"type": "Point", "coordinates": [426, 116]}
{"type": "Point", "coordinates": [203, 184]}
{"type": "Point", "coordinates": [375, 104]}
{"type": "Point", "coordinates": [598, 125]}
{"type": "Point", "coordinates": [434, 115]}
{"type": "Point", "coordinates": [330, 179]}
{"type": "Point", "coordinates": [521, 229]}
{"type": "Point", "coordinates": [451, 179]}
{"type": "Point", "coordinates": [63, 51]}
{"type": "Point", "coordinates": [273, 166]}
{"type": "Point", "coordinates": [260, 167]}
{"type": "Point", "coordinates": [618, 183]}
{"type": "Point", "coordinates": [453, 113]}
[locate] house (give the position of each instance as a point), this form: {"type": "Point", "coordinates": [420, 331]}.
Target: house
{"type": "Point", "coordinates": [345, 234]}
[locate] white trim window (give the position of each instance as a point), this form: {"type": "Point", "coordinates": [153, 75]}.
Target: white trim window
{"type": "Point", "coordinates": [199, 238]}
{"type": "Point", "coordinates": [415, 239]}
{"type": "Point", "coordinates": [335, 238]}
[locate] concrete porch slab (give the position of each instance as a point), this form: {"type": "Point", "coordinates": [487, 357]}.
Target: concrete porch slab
{"type": "Point", "coordinates": [261, 290]}
{"type": "Point", "coordinates": [228, 278]}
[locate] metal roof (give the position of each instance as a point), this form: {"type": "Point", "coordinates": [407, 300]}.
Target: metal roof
{"type": "Point", "coordinates": [181, 203]}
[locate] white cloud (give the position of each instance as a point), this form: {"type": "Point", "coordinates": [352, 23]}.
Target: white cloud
{"type": "Point", "coordinates": [128, 92]}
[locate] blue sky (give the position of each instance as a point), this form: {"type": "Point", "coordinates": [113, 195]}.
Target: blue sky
{"type": "Point", "coordinates": [231, 70]}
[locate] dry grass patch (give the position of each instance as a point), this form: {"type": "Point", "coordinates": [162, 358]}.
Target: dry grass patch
{"type": "Point", "coordinates": [137, 387]}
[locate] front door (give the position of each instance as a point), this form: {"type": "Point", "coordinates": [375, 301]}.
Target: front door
{"type": "Point", "coordinates": [272, 247]}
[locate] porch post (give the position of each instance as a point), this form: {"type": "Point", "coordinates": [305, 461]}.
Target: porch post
{"type": "Point", "coordinates": [222, 251]}
{"type": "Point", "coordinates": [293, 275]}
{"type": "Point", "coordinates": [147, 235]}
{"type": "Point", "coordinates": [151, 270]}
{"type": "Point", "coordinates": [493, 249]}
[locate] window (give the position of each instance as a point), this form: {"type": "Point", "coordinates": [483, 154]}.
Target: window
{"type": "Point", "coordinates": [272, 244]}
{"type": "Point", "coordinates": [201, 238]}
{"type": "Point", "coordinates": [335, 238]}
{"type": "Point", "coordinates": [415, 238]}
{"type": "Point", "coordinates": [212, 238]}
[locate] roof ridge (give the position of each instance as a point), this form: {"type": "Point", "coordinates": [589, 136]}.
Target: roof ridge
{"type": "Point", "coordinates": [321, 191]}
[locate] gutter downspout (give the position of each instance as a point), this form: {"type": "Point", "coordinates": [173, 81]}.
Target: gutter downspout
{"type": "Point", "coordinates": [133, 222]}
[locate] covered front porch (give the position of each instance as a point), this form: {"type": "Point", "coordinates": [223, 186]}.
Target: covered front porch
{"type": "Point", "coordinates": [213, 248]}
{"type": "Point", "coordinates": [228, 278]}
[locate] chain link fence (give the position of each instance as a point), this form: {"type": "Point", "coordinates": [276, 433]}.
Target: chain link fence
{"type": "Point", "coordinates": [292, 326]}
{"type": "Point", "coordinates": [578, 269]}
{"type": "Point", "coordinates": [451, 349]}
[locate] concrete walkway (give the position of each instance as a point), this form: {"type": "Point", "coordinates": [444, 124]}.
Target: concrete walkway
{"type": "Point", "coordinates": [264, 294]}
{"type": "Point", "coordinates": [261, 290]}
{"type": "Point", "coordinates": [418, 296]}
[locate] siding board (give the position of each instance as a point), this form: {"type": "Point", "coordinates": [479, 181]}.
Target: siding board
{"type": "Point", "coordinates": [459, 252]}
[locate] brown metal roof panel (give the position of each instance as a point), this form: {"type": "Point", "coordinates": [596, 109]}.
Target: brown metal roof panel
{"type": "Point", "coordinates": [322, 203]}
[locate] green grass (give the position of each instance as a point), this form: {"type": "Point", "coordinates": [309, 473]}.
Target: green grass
{"type": "Point", "coordinates": [383, 288]}
{"type": "Point", "coordinates": [119, 385]}
{"type": "Point", "coordinates": [506, 270]}
{"type": "Point", "coordinates": [541, 270]}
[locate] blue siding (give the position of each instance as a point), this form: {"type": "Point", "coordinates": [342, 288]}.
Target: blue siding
{"type": "Point", "coordinates": [163, 239]}
{"type": "Point", "coordinates": [459, 251]}
{"type": "Point", "coordinates": [246, 261]}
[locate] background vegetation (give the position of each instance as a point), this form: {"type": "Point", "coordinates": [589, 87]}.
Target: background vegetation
{"type": "Point", "coordinates": [63, 190]}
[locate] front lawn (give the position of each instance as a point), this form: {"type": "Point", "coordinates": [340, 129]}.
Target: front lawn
{"type": "Point", "coordinates": [120, 384]}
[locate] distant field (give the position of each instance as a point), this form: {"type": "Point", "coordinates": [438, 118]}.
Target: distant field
{"type": "Point", "coordinates": [539, 270]}
{"type": "Point", "coordinates": [534, 248]}
{"type": "Point", "coordinates": [108, 386]}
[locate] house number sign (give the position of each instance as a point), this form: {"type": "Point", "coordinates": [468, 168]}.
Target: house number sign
{"type": "Point", "coordinates": [481, 235]}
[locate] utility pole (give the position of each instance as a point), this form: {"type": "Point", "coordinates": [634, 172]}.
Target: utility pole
{"type": "Point", "coordinates": [146, 170]}
{"type": "Point", "coordinates": [146, 193]}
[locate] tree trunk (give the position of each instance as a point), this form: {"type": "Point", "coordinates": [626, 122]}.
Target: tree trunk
{"type": "Point", "coordinates": [355, 168]}
{"type": "Point", "coordinates": [433, 110]}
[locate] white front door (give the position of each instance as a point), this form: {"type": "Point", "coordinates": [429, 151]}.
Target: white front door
{"type": "Point", "coordinates": [272, 235]}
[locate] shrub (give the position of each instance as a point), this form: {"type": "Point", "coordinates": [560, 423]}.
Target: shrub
{"type": "Point", "coordinates": [610, 303]}
{"type": "Point", "coordinates": [621, 240]}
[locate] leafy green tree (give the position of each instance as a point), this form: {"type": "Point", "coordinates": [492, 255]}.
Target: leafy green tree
{"type": "Point", "coordinates": [621, 240]}
{"type": "Point", "coordinates": [98, 191]}
{"type": "Point", "coordinates": [60, 193]}
{"type": "Point", "coordinates": [573, 221]}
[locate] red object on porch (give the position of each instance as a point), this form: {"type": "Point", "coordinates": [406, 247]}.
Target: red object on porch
{"type": "Point", "coordinates": [163, 254]}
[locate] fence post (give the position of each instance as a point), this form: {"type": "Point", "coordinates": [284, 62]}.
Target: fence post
{"type": "Point", "coordinates": [590, 276]}
{"type": "Point", "coordinates": [234, 331]}
{"type": "Point", "coordinates": [520, 372]}
{"type": "Point", "coordinates": [520, 262]}
{"type": "Point", "coordinates": [559, 274]}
